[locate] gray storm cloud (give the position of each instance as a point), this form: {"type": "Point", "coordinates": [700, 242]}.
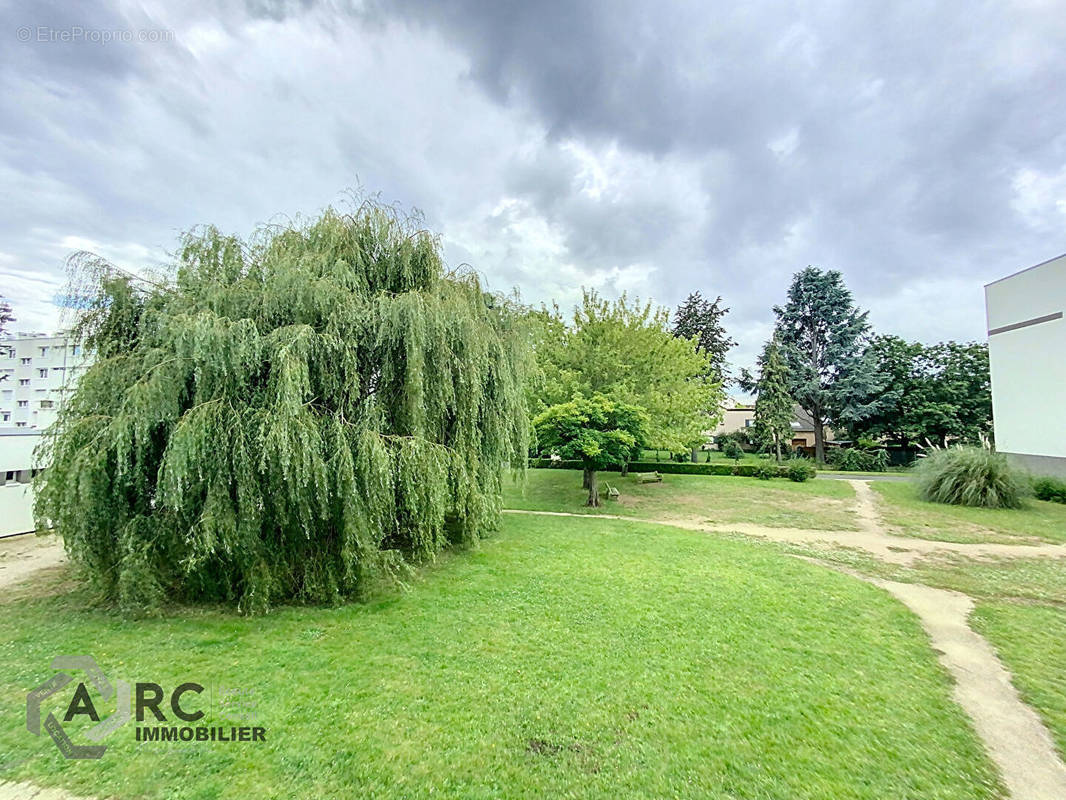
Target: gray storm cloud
{"type": "Point", "coordinates": [651, 148]}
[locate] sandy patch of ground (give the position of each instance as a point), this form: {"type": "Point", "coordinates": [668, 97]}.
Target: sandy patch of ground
{"type": "Point", "coordinates": [21, 556]}
{"type": "Point", "coordinates": [27, 791]}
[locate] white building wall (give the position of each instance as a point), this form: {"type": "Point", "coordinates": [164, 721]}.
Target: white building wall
{"type": "Point", "coordinates": [17, 464]}
{"type": "Point", "coordinates": [37, 371]}
{"type": "Point", "coordinates": [1027, 355]}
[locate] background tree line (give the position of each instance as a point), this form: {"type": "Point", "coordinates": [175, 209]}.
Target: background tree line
{"type": "Point", "coordinates": [298, 416]}
{"type": "Point", "coordinates": [825, 357]}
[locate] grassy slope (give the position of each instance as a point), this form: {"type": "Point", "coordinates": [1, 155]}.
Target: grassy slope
{"type": "Point", "coordinates": [1031, 640]}
{"type": "Point", "coordinates": [824, 505]}
{"type": "Point", "coordinates": [565, 658]}
{"type": "Point", "coordinates": [914, 517]}
{"type": "Point", "coordinates": [1021, 610]}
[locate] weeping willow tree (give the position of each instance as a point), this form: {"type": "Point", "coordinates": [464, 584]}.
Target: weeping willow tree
{"type": "Point", "coordinates": [288, 419]}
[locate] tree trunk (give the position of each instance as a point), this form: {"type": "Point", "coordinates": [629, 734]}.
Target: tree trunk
{"type": "Point", "coordinates": [695, 455]}
{"type": "Point", "coordinates": [585, 480]}
{"type": "Point", "coordinates": [777, 443]}
{"type": "Point", "coordinates": [594, 490]}
{"type": "Point", "coordinates": [625, 468]}
{"type": "Point", "coordinates": [819, 438]}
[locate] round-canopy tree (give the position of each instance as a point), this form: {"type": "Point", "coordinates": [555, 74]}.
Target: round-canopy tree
{"type": "Point", "coordinates": [284, 419]}
{"type": "Point", "coordinates": [598, 431]}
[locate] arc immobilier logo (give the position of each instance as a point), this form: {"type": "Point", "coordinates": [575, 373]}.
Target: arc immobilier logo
{"type": "Point", "coordinates": [132, 702]}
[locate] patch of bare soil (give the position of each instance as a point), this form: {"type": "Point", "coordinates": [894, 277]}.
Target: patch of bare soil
{"type": "Point", "coordinates": [22, 556]}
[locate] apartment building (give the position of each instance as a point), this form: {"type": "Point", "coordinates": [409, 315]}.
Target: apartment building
{"type": "Point", "coordinates": [36, 371]}
{"type": "Point", "coordinates": [1026, 347]}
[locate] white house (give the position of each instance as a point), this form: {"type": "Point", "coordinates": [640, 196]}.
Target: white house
{"type": "Point", "coordinates": [1027, 354]}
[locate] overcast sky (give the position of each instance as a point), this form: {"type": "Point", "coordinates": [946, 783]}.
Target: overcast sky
{"type": "Point", "coordinates": [655, 148]}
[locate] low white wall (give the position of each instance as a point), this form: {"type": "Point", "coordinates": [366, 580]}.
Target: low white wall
{"type": "Point", "coordinates": [16, 508]}
{"type": "Point", "coordinates": [16, 449]}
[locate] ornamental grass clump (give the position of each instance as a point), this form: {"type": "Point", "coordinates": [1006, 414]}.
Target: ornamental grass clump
{"type": "Point", "coordinates": [290, 418]}
{"type": "Point", "coordinates": [970, 476]}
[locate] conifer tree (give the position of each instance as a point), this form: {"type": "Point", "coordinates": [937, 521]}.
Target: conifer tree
{"type": "Point", "coordinates": [702, 319]}
{"type": "Point", "coordinates": [824, 338]}
{"type": "Point", "coordinates": [773, 406]}
{"type": "Point", "coordinates": [285, 419]}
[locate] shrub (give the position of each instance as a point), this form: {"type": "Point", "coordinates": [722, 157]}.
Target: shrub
{"type": "Point", "coordinates": [1051, 489]}
{"type": "Point", "coordinates": [731, 449]}
{"type": "Point", "coordinates": [800, 470]}
{"type": "Point", "coordinates": [970, 476]}
{"type": "Point", "coordinates": [742, 436]}
{"type": "Point", "coordinates": [854, 459]}
{"type": "Point", "coordinates": [765, 472]}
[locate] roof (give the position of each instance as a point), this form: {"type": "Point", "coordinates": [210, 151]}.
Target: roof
{"type": "Point", "coordinates": [801, 420]}
{"type": "Point", "coordinates": [1019, 272]}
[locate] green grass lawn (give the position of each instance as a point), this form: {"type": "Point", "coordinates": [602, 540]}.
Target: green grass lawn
{"type": "Point", "coordinates": [1031, 641]}
{"type": "Point", "coordinates": [1020, 609]}
{"type": "Point", "coordinates": [574, 658]}
{"type": "Point", "coordinates": [822, 505]}
{"type": "Point", "coordinates": [908, 515]}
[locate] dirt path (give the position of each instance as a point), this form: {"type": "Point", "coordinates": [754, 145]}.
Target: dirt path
{"type": "Point", "coordinates": [21, 556]}
{"type": "Point", "coordinates": [870, 536]}
{"type": "Point", "coordinates": [27, 791]}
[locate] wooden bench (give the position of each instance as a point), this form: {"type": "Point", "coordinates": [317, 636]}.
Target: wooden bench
{"type": "Point", "coordinates": [612, 493]}
{"type": "Point", "coordinates": [649, 477]}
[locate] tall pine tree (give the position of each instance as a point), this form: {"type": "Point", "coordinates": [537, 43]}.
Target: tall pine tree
{"type": "Point", "coordinates": [824, 338]}
{"type": "Point", "coordinates": [773, 406]}
{"type": "Point", "coordinates": [699, 318]}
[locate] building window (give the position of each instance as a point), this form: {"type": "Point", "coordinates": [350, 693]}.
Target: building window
{"type": "Point", "coordinates": [43, 373]}
{"type": "Point", "coordinates": [23, 403]}
{"type": "Point", "coordinates": [74, 349]}
{"type": "Point", "coordinates": [24, 381]}
{"type": "Point", "coordinates": [7, 416]}
{"type": "Point", "coordinates": [46, 404]}
{"type": "Point", "coordinates": [748, 422]}
{"type": "Point", "coordinates": [44, 351]}
{"type": "Point", "coordinates": [27, 361]}
{"type": "Point", "coordinates": [20, 424]}
{"type": "Point", "coordinates": [9, 476]}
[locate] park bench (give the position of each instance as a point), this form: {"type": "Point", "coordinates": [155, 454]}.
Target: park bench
{"type": "Point", "coordinates": [612, 493]}
{"type": "Point", "coordinates": [650, 477]}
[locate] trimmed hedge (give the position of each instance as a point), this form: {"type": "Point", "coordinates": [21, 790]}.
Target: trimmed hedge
{"type": "Point", "coordinates": [671, 467]}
